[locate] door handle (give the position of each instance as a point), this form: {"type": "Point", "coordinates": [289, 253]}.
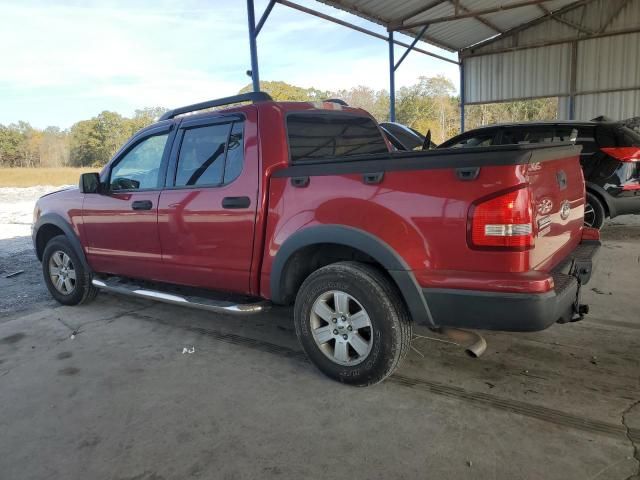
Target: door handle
{"type": "Point", "coordinates": [372, 178]}
{"type": "Point", "coordinates": [300, 182]}
{"type": "Point", "coordinates": [236, 202]}
{"type": "Point", "coordinates": [142, 205]}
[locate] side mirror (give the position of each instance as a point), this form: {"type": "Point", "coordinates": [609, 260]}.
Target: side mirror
{"type": "Point", "coordinates": [90, 183]}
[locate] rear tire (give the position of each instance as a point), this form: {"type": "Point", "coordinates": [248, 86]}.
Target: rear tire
{"type": "Point", "coordinates": [66, 277]}
{"type": "Point", "coordinates": [594, 212]}
{"type": "Point", "coordinates": [352, 323]}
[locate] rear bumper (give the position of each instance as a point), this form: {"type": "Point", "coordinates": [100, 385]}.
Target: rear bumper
{"type": "Point", "coordinates": [517, 312]}
{"type": "Point", "coordinates": [624, 205]}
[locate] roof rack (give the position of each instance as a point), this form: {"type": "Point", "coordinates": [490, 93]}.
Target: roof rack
{"type": "Point", "coordinates": [245, 97]}
{"type": "Point", "coordinates": [339, 101]}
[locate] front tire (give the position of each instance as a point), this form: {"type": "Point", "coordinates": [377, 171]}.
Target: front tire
{"type": "Point", "coordinates": [66, 277]}
{"type": "Point", "coordinates": [594, 212]}
{"type": "Point", "coordinates": [352, 323]}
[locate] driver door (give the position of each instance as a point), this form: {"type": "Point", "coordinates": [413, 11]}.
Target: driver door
{"type": "Point", "coordinates": [121, 223]}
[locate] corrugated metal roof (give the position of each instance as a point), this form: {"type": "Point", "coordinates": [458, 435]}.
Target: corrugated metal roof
{"type": "Point", "coordinates": [526, 52]}
{"type": "Point", "coordinates": [452, 35]}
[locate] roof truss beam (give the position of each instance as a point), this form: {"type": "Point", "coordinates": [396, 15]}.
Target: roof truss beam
{"type": "Point", "coordinates": [423, 9]}
{"type": "Point", "coordinates": [371, 33]}
{"type": "Point", "coordinates": [457, 5]}
{"type": "Point", "coordinates": [468, 14]}
{"type": "Point", "coordinates": [615, 14]}
{"type": "Point", "coordinates": [613, 33]}
{"type": "Point", "coordinates": [515, 30]}
{"type": "Point", "coordinates": [549, 14]}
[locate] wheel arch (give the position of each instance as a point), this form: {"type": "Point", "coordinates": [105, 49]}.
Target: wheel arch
{"type": "Point", "coordinates": [287, 274]}
{"type": "Point", "coordinates": [51, 225]}
{"type": "Point", "coordinates": [600, 193]}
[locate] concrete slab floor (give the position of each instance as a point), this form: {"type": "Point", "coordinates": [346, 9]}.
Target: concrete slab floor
{"type": "Point", "coordinates": [120, 400]}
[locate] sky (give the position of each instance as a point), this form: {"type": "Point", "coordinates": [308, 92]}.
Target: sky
{"type": "Point", "coordinates": [65, 61]}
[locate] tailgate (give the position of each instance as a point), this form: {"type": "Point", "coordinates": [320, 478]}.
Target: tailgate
{"type": "Point", "coordinates": [557, 191]}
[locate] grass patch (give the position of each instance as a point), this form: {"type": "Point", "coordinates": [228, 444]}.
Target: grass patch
{"type": "Point", "coordinates": [30, 177]}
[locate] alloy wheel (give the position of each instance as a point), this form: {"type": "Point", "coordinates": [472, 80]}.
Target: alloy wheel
{"type": "Point", "coordinates": [62, 272]}
{"type": "Point", "coordinates": [341, 328]}
{"type": "Point", "coordinates": [589, 215]}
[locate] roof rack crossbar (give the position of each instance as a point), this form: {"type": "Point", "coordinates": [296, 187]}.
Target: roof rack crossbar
{"type": "Point", "coordinates": [245, 97]}
{"type": "Point", "coordinates": [339, 101]}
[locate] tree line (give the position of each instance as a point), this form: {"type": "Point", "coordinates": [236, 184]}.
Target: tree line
{"type": "Point", "coordinates": [429, 104]}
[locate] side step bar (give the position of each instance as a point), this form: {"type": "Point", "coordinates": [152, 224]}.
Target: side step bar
{"type": "Point", "coordinates": [203, 303]}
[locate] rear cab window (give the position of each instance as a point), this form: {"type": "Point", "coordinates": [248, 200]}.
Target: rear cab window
{"type": "Point", "coordinates": [321, 136]}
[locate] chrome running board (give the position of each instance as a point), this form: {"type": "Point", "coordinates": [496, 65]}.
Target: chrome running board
{"type": "Point", "coordinates": [115, 285]}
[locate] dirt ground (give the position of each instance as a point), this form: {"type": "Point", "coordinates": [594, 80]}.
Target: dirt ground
{"type": "Point", "coordinates": [104, 391]}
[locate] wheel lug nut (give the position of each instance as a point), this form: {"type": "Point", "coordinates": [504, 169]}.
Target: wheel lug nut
{"type": "Point", "coordinates": [335, 332]}
{"type": "Point", "coordinates": [345, 336]}
{"type": "Point", "coordinates": [349, 328]}
{"type": "Point", "coordinates": [343, 318]}
{"type": "Point", "coordinates": [334, 320]}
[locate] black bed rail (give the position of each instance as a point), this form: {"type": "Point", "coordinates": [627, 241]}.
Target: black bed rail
{"type": "Point", "coordinates": [245, 97]}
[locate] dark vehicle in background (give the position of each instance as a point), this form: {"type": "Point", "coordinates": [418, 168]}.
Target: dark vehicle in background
{"type": "Point", "coordinates": [610, 158]}
{"type": "Point", "coordinates": [404, 138]}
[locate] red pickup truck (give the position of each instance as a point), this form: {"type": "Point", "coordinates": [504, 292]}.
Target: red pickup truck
{"type": "Point", "coordinates": [306, 204]}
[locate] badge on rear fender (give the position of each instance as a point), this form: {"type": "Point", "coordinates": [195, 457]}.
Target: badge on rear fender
{"type": "Point", "coordinates": [565, 209]}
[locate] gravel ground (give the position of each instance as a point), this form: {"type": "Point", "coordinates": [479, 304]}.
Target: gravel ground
{"type": "Point", "coordinates": [24, 291]}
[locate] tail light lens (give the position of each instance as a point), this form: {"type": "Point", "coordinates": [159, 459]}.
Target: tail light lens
{"type": "Point", "coordinates": [624, 154]}
{"type": "Point", "coordinates": [502, 221]}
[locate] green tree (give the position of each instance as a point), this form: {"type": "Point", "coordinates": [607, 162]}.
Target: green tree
{"type": "Point", "coordinates": [145, 117]}
{"type": "Point", "coordinates": [285, 92]}
{"type": "Point", "coordinates": [54, 148]}
{"type": "Point", "coordinates": [84, 144]}
{"type": "Point", "coordinates": [10, 146]}
{"type": "Point", "coordinates": [374, 102]}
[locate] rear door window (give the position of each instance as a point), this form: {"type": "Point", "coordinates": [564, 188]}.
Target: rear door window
{"type": "Point", "coordinates": [319, 136]}
{"type": "Point", "coordinates": [210, 155]}
{"type": "Point", "coordinates": [201, 159]}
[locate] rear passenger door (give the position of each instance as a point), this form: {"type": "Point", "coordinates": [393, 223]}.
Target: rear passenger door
{"type": "Point", "coordinates": [206, 213]}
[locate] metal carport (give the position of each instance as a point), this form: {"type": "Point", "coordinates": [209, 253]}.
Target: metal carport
{"type": "Point", "coordinates": [586, 52]}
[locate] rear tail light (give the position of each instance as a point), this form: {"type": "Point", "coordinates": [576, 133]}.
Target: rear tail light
{"type": "Point", "coordinates": [502, 221]}
{"type": "Point", "coordinates": [624, 154]}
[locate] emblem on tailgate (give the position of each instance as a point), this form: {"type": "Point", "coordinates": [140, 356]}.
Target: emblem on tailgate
{"type": "Point", "coordinates": [565, 209]}
{"type": "Point", "coordinates": [545, 206]}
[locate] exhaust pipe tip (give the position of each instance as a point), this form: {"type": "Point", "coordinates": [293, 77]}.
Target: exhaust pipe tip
{"type": "Point", "coordinates": [473, 343]}
{"type": "Point", "coordinates": [478, 348]}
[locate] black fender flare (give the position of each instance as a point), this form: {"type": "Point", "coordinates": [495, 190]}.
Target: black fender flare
{"type": "Point", "coordinates": [602, 194]}
{"type": "Point", "coordinates": [360, 240]}
{"type": "Point", "coordinates": [58, 221]}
